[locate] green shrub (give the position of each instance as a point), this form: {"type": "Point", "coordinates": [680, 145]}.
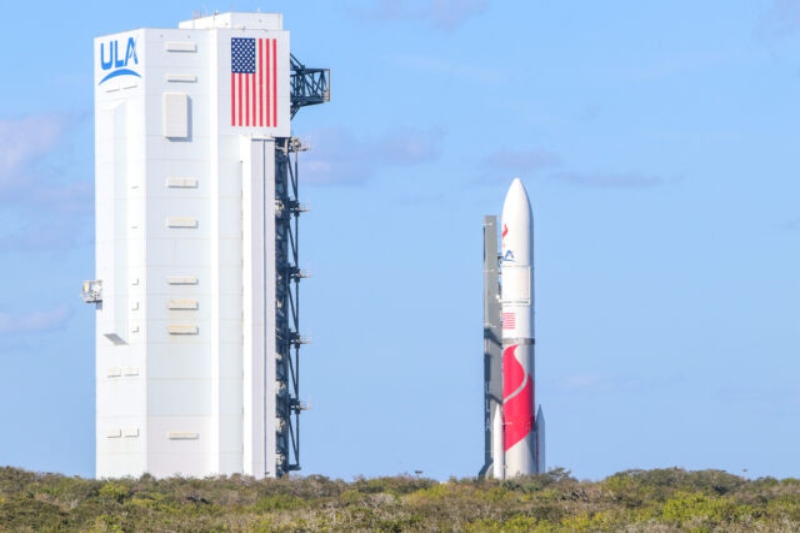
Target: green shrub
{"type": "Point", "coordinates": [670, 499]}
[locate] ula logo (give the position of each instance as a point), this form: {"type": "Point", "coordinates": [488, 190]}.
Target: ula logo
{"type": "Point", "coordinates": [509, 257]}
{"type": "Point", "coordinates": [118, 58]}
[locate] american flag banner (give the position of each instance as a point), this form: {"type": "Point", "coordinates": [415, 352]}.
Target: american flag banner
{"type": "Point", "coordinates": [509, 320]}
{"type": "Point", "coordinates": [254, 82]}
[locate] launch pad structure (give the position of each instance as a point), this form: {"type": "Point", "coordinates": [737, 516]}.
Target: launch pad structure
{"type": "Point", "coordinates": [197, 284]}
{"type": "Point", "coordinates": [492, 344]}
{"type": "Point", "coordinates": [287, 305]}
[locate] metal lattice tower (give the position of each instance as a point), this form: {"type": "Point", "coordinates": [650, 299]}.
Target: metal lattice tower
{"type": "Point", "coordinates": [287, 303]}
{"type": "Point", "coordinates": [308, 87]}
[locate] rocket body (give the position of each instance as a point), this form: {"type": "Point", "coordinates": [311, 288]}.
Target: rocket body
{"type": "Point", "coordinates": [513, 436]}
{"type": "Point", "coordinates": [519, 424]}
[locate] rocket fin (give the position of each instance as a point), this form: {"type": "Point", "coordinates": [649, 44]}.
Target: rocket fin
{"type": "Point", "coordinates": [498, 456]}
{"type": "Point", "coordinates": [539, 439]}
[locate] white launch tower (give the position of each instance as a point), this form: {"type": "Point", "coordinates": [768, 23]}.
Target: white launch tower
{"type": "Point", "coordinates": [197, 324]}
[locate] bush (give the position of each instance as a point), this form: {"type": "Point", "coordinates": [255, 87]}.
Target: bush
{"type": "Point", "coordinates": [635, 500]}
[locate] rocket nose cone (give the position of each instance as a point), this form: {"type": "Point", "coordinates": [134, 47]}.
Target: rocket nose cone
{"type": "Point", "coordinates": [517, 225]}
{"type": "Point", "coordinates": [517, 189]}
{"type": "Point", "coordinates": [517, 200]}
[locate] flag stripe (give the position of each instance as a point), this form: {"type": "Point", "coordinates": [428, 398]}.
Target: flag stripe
{"type": "Point", "coordinates": [247, 99]}
{"type": "Point", "coordinates": [260, 84]}
{"type": "Point", "coordinates": [239, 79]}
{"type": "Point", "coordinates": [266, 81]}
{"type": "Point", "coordinates": [255, 99]}
{"type": "Point", "coordinates": [266, 76]}
{"type": "Point", "coordinates": [274, 82]}
{"type": "Point", "coordinates": [233, 105]}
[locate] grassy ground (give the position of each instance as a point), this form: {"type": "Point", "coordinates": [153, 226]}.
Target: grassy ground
{"type": "Point", "coordinates": [656, 500]}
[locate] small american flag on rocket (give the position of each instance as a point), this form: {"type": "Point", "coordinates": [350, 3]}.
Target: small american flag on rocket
{"type": "Point", "coordinates": [509, 320]}
{"type": "Point", "coordinates": [254, 82]}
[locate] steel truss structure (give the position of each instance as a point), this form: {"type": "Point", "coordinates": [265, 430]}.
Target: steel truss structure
{"type": "Point", "coordinates": [309, 86]}
{"type": "Point", "coordinates": [287, 303]}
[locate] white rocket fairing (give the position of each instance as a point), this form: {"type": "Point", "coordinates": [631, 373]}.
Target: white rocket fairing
{"type": "Point", "coordinates": [522, 455]}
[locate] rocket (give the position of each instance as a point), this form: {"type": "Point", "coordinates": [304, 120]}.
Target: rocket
{"type": "Point", "coordinates": [519, 432]}
{"type": "Point", "coordinates": [516, 434]}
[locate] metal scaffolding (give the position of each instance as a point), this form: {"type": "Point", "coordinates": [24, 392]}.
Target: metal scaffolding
{"type": "Point", "coordinates": [308, 87]}
{"type": "Point", "coordinates": [288, 276]}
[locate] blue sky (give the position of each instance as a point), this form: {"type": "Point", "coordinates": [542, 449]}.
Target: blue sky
{"type": "Point", "coordinates": [658, 142]}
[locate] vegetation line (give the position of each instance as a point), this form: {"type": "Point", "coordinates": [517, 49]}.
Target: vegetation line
{"type": "Point", "coordinates": [663, 500]}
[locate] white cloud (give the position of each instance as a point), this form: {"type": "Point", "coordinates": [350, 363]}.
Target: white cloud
{"type": "Point", "coordinates": [504, 164]}
{"type": "Point", "coordinates": [22, 143]}
{"type": "Point", "coordinates": [435, 65]}
{"type": "Point", "coordinates": [71, 198]}
{"type": "Point", "coordinates": [449, 14]}
{"type": "Point", "coordinates": [599, 383]}
{"type": "Point", "coordinates": [407, 146]}
{"type": "Point", "coordinates": [587, 382]}
{"type": "Point", "coordinates": [781, 19]}
{"type": "Point", "coordinates": [441, 14]}
{"type": "Point", "coordinates": [780, 398]}
{"type": "Point", "coordinates": [47, 211]}
{"type": "Point", "coordinates": [36, 321]}
{"type": "Point", "coordinates": [628, 180]}
{"type": "Point", "coordinates": [791, 225]}
{"type": "Point", "coordinates": [57, 232]}
{"type": "Point", "coordinates": [338, 157]}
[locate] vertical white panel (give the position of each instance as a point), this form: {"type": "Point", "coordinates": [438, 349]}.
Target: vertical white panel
{"type": "Point", "coordinates": [271, 375]}
{"type": "Point", "coordinates": [176, 115]}
{"type": "Point", "coordinates": [118, 303]}
{"type": "Point", "coordinates": [120, 155]}
{"type": "Point", "coordinates": [115, 400]}
{"type": "Point", "coordinates": [258, 185]}
{"type": "Point", "coordinates": [217, 171]}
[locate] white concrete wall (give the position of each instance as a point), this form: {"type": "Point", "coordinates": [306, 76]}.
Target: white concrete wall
{"type": "Point", "coordinates": [182, 228]}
